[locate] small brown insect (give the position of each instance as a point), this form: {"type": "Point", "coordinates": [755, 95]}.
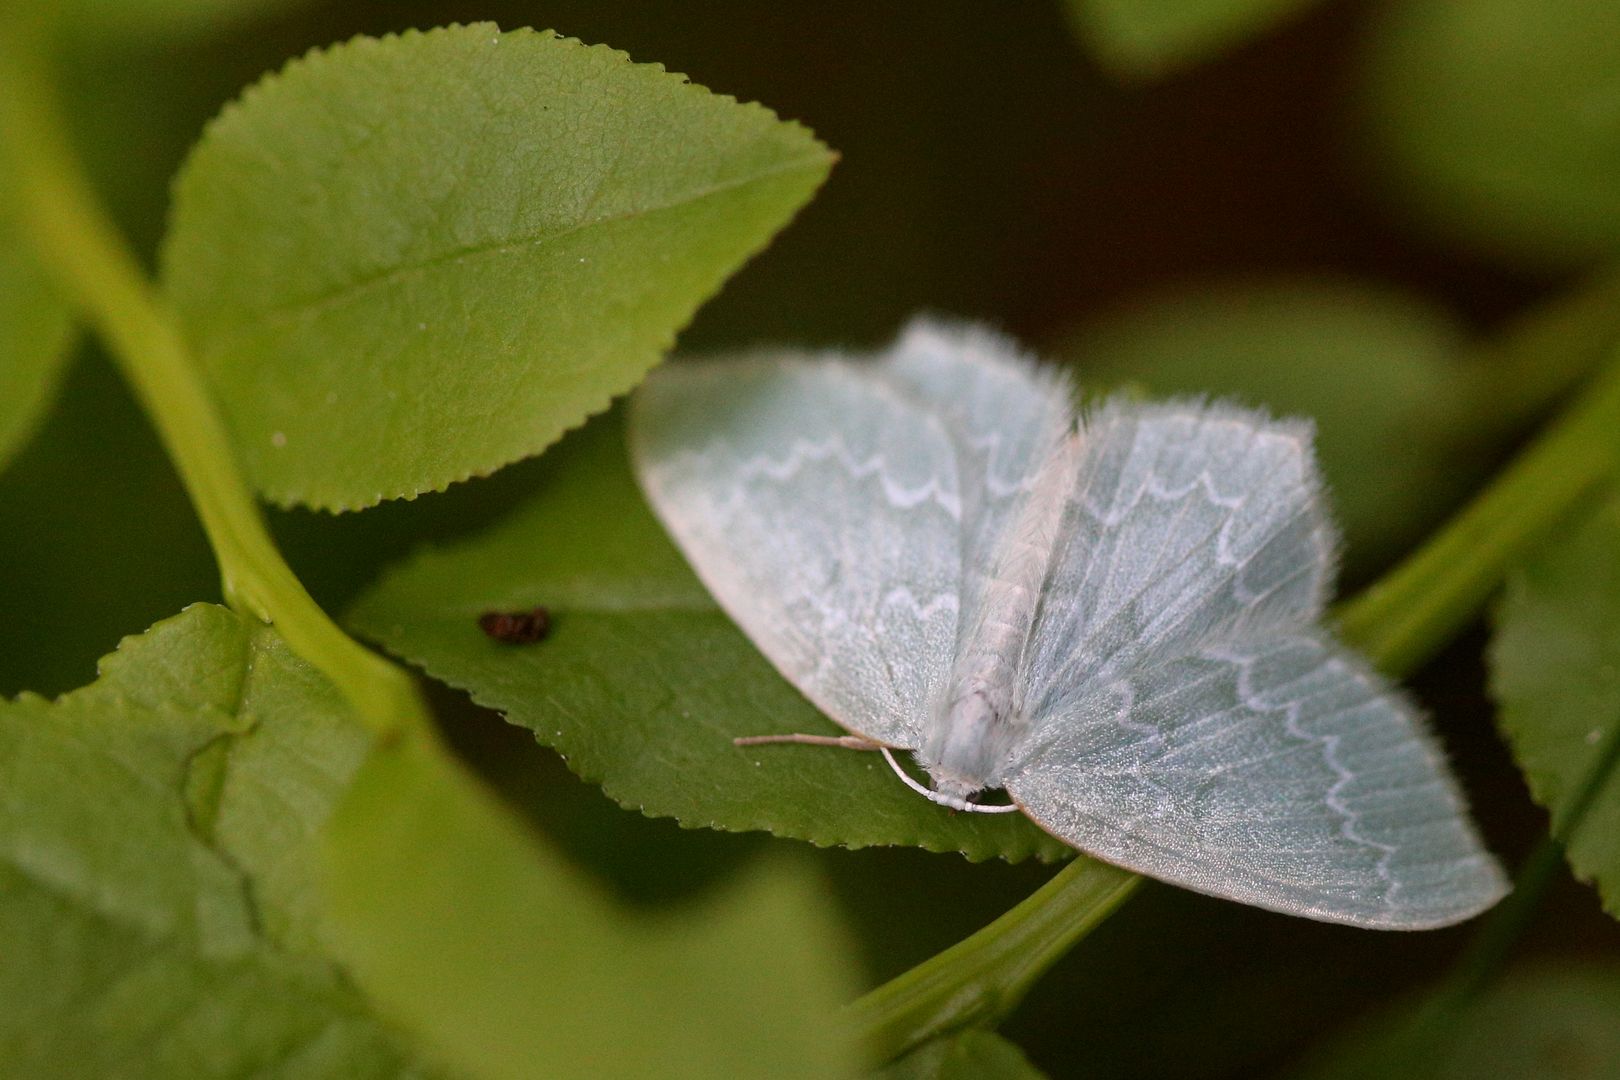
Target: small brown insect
{"type": "Point", "coordinates": [516, 627]}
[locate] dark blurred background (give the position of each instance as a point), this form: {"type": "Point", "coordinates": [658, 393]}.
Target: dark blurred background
{"type": "Point", "coordinates": [989, 169]}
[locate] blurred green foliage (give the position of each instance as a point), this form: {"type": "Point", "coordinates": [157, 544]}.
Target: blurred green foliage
{"type": "Point", "coordinates": [34, 324]}
{"type": "Point", "coordinates": [1146, 38]}
{"type": "Point", "coordinates": [972, 1055]}
{"type": "Point", "coordinates": [1551, 1021]}
{"type": "Point", "coordinates": [1494, 122]}
{"type": "Point", "coordinates": [424, 870]}
{"type": "Point", "coordinates": [1372, 367]}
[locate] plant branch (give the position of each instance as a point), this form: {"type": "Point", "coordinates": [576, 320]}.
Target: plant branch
{"type": "Point", "coordinates": [981, 978]}
{"type": "Point", "coordinates": [91, 263]}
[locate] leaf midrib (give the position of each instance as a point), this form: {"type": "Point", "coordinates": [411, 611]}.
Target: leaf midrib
{"type": "Point", "coordinates": [313, 306]}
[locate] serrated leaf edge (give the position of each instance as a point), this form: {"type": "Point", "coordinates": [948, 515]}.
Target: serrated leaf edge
{"type": "Point", "coordinates": [289, 498]}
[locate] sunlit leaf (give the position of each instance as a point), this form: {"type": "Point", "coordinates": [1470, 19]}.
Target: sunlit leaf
{"type": "Point", "coordinates": [411, 260]}
{"type": "Point", "coordinates": [1555, 670]}
{"type": "Point", "coordinates": [643, 682]}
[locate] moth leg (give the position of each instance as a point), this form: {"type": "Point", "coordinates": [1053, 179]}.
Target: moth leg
{"type": "Point", "coordinates": [848, 742]}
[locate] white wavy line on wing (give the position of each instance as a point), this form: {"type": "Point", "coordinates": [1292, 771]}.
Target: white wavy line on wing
{"type": "Point", "coordinates": [991, 446]}
{"type": "Point", "coordinates": [1329, 747]}
{"type": "Point", "coordinates": [1160, 492]}
{"type": "Point", "coordinates": [803, 451]}
{"type": "Point", "coordinates": [1317, 565]}
{"type": "Point", "coordinates": [1150, 749]}
{"type": "Point", "coordinates": [1223, 548]}
{"type": "Point", "coordinates": [902, 597]}
{"type": "Point", "coordinates": [1099, 620]}
{"type": "Point", "coordinates": [830, 625]}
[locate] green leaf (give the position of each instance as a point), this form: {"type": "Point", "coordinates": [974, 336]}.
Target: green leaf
{"type": "Point", "coordinates": [408, 261]}
{"type": "Point", "coordinates": [1373, 368]}
{"type": "Point", "coordinates": [1535, 1023]}
{"type": "Point", "coordinates": [35, 328]}
{"type": "Point", "coordinates": [156, 901]}
{"type": "Point", "coordinates": [516, 968]}
{"type": "Point", "coordinates": [163, 911]}
{"type": "Point", "coordinates": [1555, 671]}
{"type": "Point", "coordinates": [643, 682]}
{"type": "Point", "coordinates": [1144, 39]}
{"type": "Point", "coordinates": [1493, 122]}
{"type": "Point", "coordinates": [968, 1055]}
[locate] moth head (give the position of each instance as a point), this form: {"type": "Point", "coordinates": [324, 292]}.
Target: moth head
{"type": "Point", "coordinates": [953, 788]}
{"type": "Point", "coordinates": [967, 745]}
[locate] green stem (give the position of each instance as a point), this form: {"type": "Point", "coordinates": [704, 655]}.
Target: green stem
{"type": "Point", "coordinates": [79, 245]}
{"type": "Point", "coordinates": [983, 977]}
{"type": "Point", "coordinates": [1398, 623]}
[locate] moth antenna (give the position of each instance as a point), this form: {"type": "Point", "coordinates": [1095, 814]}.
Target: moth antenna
{"type": "Point", "coordinates": [936, 797]}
